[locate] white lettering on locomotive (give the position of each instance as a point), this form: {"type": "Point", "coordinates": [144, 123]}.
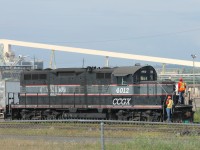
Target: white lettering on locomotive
{"type": "Point", "coordinates": [122, 90]}
{"type": "Point", "coordinates": [121, 101]}
{"type": "Point", "coordinates": [62, 89]}
{"type": "Point", "coordinates": [42, 89]}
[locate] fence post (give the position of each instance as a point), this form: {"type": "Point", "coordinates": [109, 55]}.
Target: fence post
{"type": "Point", "coordinates": [102, 136]}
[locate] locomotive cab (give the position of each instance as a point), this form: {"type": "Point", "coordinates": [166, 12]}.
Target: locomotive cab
{"type": "Point", "coordinates": [134, 74]}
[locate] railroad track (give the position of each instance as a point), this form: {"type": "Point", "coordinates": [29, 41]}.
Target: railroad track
{"type": "Point", "coordinates": [108, 125]}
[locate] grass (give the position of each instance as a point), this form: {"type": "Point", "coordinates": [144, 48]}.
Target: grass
{"type": "Point", "coordinates": [17, 144]}
{"type": "Point", "coordinates": [142, 142]}
{"type": "Point", "coordinates": [88, 136]}
{"type": "Point", "coordinates": [148, 143]}
{"type": "Point", "coordinates": [68, 130]}
{"type": "Point", "coordinates": [197, 115]}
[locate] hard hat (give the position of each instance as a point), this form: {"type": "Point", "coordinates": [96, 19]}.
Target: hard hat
{"type": "Point", "coordinates": [169, 97]}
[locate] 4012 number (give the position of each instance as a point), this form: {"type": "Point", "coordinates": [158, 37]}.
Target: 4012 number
{"type": "Point", "coordinates": [122, 90]}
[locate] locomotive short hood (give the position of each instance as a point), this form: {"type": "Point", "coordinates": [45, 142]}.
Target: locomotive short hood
{"type": "Point", "coordinates": [124, 71]}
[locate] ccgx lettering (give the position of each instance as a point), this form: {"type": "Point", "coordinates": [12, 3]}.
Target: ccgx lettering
{"type": "Point", "coordinates": [121, 101]}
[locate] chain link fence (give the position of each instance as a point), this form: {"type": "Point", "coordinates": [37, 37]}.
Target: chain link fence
{"type": "Point", "coordinates": [88, 134]}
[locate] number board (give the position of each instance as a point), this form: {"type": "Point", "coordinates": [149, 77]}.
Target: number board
{"type": "Point", "coordinates": [122, 90]}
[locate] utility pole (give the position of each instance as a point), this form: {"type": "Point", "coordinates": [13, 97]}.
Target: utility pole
{"type": "Point", "coordinates": [193, 57]}
{"type": "Point", "coordinates": [34, 62]}
{"type": "Point", "coordinates": [83, 63]}
{"type": "Point", "coordinates": [107, 61]}
{"type": "Point", "coordinates": [2, 60]}
{"type": "Point", "coordinates": [163, 68]}
{"type": "Point", "coordinates": [52, 61]}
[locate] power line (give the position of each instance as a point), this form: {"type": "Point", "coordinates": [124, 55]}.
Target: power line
{"type": "Point", "coordinates": [133, 38]}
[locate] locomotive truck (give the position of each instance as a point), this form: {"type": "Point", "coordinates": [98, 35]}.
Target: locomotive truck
{"type": "Point", "coordinates": [120, 93]}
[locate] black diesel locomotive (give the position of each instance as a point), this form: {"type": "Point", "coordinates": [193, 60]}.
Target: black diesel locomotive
{"type": "Point", "coordinates": [121, 93]}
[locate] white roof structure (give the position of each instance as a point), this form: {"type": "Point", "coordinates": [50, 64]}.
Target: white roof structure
{"type": "Point", "coordinates": [8, 43]}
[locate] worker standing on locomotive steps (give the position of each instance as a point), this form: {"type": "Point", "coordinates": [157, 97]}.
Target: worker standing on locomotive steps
{"type": "Point", "coordinates": [181, 91]}
{"type": "Point", "coordinates": [169, 103]}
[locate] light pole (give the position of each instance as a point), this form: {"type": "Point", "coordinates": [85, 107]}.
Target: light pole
{"type": "Point", "coordinates": [193, 57]}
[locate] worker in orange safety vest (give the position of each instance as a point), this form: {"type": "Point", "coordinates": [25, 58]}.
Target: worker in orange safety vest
{"type": "Point", "coordinates": [181, 91]}
{"type": "Point", "coordinates": [169, 105]}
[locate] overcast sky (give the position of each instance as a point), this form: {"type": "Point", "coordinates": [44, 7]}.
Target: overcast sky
{"type": "Point", "coordinates": [158, 28]}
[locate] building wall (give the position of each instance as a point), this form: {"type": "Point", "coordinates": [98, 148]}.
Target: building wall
{"type": "Point", "coordinates": [9, 88]}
